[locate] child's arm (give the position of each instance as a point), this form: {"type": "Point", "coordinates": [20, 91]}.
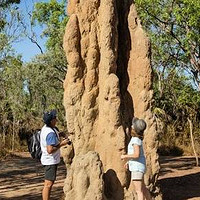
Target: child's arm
{"type": "Point", "coordinates": [135, 155]}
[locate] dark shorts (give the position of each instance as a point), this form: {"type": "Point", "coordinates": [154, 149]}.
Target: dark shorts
{"type": "Point", "coordinates": [50, 172]}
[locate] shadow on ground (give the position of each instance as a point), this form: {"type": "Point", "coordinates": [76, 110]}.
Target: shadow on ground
{"type": "Point", "coordinates": [21, 177]}
{"type": "Point", "coordinates": [179, 178]}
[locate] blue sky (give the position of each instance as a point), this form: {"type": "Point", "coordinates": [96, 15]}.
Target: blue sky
{"type": "Point", "coordinates": [25, 47]}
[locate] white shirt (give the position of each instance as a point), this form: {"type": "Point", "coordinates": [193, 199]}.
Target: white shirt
{"type": "Point", "coordinates": [140, 163]}
{"type": "Point", "coordinates": [48, 159]}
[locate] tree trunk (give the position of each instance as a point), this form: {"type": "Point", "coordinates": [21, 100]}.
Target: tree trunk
{"type": "Point", "coordinates": [4, 136]}
{"type": "Point", "coordinates": [4, 130]}
{"type": "Point", "coordinates": [192, 141]}
{"type": "Point", "coordinates": [13, 136]}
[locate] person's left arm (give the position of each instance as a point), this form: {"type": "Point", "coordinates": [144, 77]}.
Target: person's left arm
{"type": "Point", "coordinates": [135, 155]}
{"type": "Point", "coordinates": [53, 143]}
{"type": "Point", "coordinates": [51, 149]}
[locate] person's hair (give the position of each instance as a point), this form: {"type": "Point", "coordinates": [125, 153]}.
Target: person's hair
{"type": "Point", "coordinates": [138, 126]}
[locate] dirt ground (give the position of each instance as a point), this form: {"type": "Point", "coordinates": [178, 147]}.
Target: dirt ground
{"type": "Point", "coordinates": [179, 178]}
{"type": "Point", "coordinates": [21, 178]}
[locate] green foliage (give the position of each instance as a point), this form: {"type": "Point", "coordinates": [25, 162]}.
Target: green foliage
{"type": "Point", "coordinates": [6, 3]}
{"type": "Point", "coordinates": [11, 75]}
{"type": "Point", "coordinates": [12, 105]}
{"type": "Point", "coordinates": [173, 27]}
{"type": "Point", "coordinates": [3, 5]}
{"type": "Point", "coordinates": [51, 15]}
{"type": "Point", "coordinates": [44, 85]}
{"type": "Point", "coordinates": [29, 89]}
{"type": "Point", "coordinates": [46, 73]}
{"type": "Point", "coordinates": [10, 29]}
{"type": "Point", "coordinates": [178, 95]}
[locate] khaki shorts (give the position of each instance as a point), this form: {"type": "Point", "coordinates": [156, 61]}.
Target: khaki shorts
{"type": "Point", "coordinates": [137, 175]}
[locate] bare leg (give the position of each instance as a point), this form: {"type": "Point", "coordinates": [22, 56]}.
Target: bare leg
{"type": "Point", "coordinates": [47, 189]}
{"type": "Point", "coordinates": [139, 189]}
{"type": "Point", "coordinates": [146, 192]}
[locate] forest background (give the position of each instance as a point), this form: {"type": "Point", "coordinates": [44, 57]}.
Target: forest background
{"type": "Point", "coordinates": [30, 88]}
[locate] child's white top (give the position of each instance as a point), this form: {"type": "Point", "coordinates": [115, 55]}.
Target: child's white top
{"type": "Point", "coordinates": [140, 163]}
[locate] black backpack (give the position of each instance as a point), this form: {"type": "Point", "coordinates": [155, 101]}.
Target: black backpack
{"type": "Point", "coordinates": [34, 145]}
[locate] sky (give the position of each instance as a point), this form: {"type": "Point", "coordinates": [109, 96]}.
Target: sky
{"type": "Point", "coordinates": [25, 47]}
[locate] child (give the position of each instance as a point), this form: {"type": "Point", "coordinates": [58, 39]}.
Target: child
{"type": "Point", "coordinates": [135, 158]}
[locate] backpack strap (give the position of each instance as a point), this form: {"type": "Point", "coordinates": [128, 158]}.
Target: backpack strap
{"type": "Point", "coordinates": [55, 132]}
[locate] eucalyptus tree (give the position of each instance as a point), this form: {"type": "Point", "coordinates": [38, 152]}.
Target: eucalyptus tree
{"type": "Point", "coordinates": [52, 15]}
{"type": "Point", "coordinates": [46, 72]}
{"type": "Point", "coordinates": [11, 75]}
{"type": "Point", "coordinates": [174, 29]}
{"type": "Point", "coordinates": [43, 85]}
{"type": "Point", "coordinates": [3, 5]}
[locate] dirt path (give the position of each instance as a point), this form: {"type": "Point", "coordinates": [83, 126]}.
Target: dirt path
{"type": "Point", "coordinates": [179, 178]}
{"type": "Point", "coordinates": [21, 178]}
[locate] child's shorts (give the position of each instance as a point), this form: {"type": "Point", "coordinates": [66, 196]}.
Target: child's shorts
{"type": "Point", "coordinates": [136, 175]}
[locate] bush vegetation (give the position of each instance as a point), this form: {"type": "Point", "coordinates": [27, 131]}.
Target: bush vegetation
{"type": "Point", "coordinates": [30, 88]}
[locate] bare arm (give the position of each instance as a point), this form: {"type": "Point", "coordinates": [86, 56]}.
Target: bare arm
{"type": "Point", "coordinates": [51, 149]}
{"type": "Point", "coordinates": [135, 155]}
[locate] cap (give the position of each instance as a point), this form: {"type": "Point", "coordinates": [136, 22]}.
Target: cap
{"type": "Point", "coordinates": [48, 116]}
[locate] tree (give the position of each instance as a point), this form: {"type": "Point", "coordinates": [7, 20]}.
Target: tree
{"type": "Point", "coordinates": [12, 99]}
{"type": "Point", "coordinates": [180, 104]}
{"type": "Point", "coordinates": [174, 28]}
{"type": "Point", "coordinates": [45, 73]}
{"type": "Point", "coordinates": [30, 88]}
{"type": "Point", "coordinates": [44, 85]}
{"type": "Point", "coordinates": [3, 5]}
{"type": "Point", "coordinates": [11, 75]}
{"type": "Point", "coordinates": [52, 15]}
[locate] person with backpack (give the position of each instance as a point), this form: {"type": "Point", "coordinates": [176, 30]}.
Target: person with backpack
{"type": "Point", "coordinates": [135, 159]}
{"type": "Point", "coordinates": [50, 146]}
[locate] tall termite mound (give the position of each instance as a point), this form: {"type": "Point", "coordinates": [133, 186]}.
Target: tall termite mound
{"type": "Point", "coordinates": [107, 83]}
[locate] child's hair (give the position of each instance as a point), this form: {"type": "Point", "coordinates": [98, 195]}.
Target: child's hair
{"type": "Point", "coordinates": [139, 126]}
